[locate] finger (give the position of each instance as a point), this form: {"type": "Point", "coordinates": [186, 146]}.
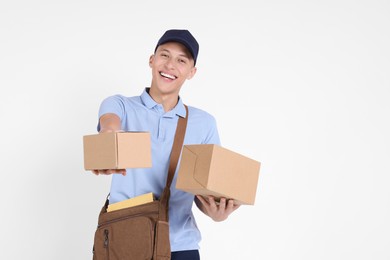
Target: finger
{"type": "Point", "coordinates": [110, 171]}
{"type": "Point", "coordinates": [212, 203]}
{"type": "Point", "coordinates": [231, 206]}
{"type": "Point", "coordinates": [106, 172]}
{"type": "Point", "coordinates": [211, 200]}
{"type": "Point", "coordinates": [222, 204]}
{"type": "Point", "coordinates": [117, 171]}
{"type": "Point", "coordinates": [202, 200]}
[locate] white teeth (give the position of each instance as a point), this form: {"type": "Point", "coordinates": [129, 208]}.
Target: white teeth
{"type": "Point", "coordinates": [167, 75]}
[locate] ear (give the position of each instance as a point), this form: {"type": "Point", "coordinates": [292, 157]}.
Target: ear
{"type": "Point", "coordinates": [151, 59]}
{"type": "Point", "coordinates": [192, 73]}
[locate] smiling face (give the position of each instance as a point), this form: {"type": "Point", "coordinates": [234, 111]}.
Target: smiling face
{"type": "Point", "coordinates": [171, 65]}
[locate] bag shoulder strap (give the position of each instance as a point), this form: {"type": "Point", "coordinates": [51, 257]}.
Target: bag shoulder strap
{"type": "Point", "coordinates": [174, 157]}
{"type": "Point", "coordinates": [177, 147]}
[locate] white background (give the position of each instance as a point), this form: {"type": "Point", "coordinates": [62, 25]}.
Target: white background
{"type": "Point", "coordinates": [302, 86]}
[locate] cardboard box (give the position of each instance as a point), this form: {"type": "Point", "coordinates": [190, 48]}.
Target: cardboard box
{"type": "Point", "coordinates": [209, 169]}
{"type": "Point", "coordinates": [117, 150]}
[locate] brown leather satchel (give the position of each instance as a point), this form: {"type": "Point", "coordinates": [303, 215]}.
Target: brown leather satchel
{"type": "Point", "coordinates": [139, 232]}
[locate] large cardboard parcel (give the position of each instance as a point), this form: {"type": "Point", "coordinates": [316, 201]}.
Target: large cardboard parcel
{"type": "Point", "coordinates": [117, 150]}
{"type": "Point", "coordinates": [209, 169]}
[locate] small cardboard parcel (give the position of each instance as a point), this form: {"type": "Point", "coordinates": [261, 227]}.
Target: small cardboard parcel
{"type": "Point", "coordinates": [117, 150]}
{"type": "Point", "coordinates": [209, 169]}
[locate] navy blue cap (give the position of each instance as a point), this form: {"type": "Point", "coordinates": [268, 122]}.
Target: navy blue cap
{"type": "Point", "coordinates": [181, 36]}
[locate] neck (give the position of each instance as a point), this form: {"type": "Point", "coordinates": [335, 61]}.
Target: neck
{"type": "Point", "coordinates": [168, 101]}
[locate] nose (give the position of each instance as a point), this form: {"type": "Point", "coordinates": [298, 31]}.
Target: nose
{"type": "Point", "coordinates": [169, 64]}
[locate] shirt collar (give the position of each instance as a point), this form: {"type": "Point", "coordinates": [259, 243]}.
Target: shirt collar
{"type": "Point", "coordinates": [148, 101]}
{"type": "Point", "coordinates": [179, 109]}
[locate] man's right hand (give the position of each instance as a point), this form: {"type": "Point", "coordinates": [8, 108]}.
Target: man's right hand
{"type": "Point", "coordinates": [110, 123]}
{"type": "Point", "coordinates": [110, 171]}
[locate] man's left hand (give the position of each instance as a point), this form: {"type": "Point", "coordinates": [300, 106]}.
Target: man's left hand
{"type": "Point", "coordinates": [217, 211]}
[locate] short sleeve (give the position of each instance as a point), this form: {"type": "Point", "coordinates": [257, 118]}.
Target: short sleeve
{"type": "Point", "coordinates": [212, 135]}
{"type": "Point", "coordinates": [114, 105]}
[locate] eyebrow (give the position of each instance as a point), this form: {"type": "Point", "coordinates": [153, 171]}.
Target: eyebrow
{"type": "Point", "coordinates": [184, 54]}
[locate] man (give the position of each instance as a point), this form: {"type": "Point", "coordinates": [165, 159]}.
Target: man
{"type": "Point", "coordinates": [157, 111]}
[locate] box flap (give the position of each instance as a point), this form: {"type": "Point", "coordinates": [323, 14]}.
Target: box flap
{"type": "Point", "coordinates": [203, 160]}
{"type": "Point", "coordinates": [185, 178]}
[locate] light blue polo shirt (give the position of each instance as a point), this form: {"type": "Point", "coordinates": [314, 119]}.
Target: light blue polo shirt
{"type": "Point", "coordinates": [142, 113]}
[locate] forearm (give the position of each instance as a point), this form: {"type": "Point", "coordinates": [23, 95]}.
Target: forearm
{"type": "Point", "coordinates": [109, 123]}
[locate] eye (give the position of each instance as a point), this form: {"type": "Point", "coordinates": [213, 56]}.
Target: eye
{"type": "Point", "coordinates": [164, 55]}
{"type": "Point", "coordinates": [182, 61]}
